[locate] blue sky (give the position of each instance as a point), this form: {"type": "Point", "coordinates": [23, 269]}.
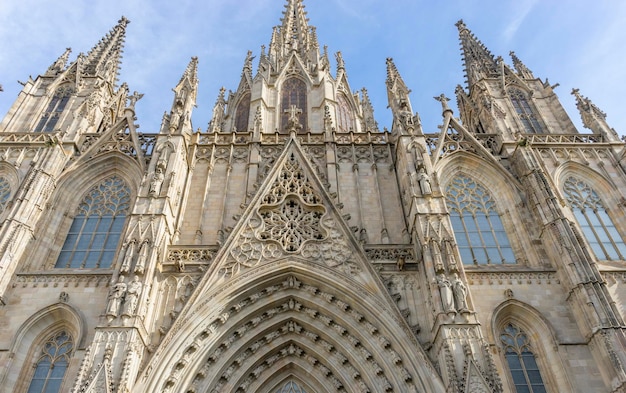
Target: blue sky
{"type": "Point", "coordinates": [574, 43]}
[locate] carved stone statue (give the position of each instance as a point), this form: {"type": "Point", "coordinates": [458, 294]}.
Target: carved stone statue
{"type": "Point", "coordinates": [143, 256]}
{"type": "Point", "coordinates": [460, 293]}
{"type": "Point", "coordinates": [133, 99]}
{"type": "Point", "coordinates": [128, 256]}
{"type": "Point", "coordinates": [132, 297]}
{"type": "Point", "coordinates": [445, 290]}
{"type": "Point", "coordinates": [157, 182]}
{"type": "Point", "coordinates": [424, 181]}
{"type": "Point", "coordinates": [116, 297]}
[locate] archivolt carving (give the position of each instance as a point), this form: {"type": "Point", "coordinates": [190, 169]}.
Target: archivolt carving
{"type": "Point", "coordinates": [360, 359]}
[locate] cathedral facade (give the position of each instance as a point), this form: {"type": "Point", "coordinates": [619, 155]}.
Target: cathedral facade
{"type": "Point", "coordinates": [295, 246]}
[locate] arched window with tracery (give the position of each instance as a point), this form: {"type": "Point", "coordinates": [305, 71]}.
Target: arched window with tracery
{"type": "Point", "coordinates": [97, 227]}
{"type": "Point", "coordinates": [5, 193]}
{"type": "Point", "coordinates": [594, 220]}
{"type": "Point", "coordinates": [479, 231]}
{"type": "Point", "coordinates": [242, 114]}
{"type": "Point", "coordinates": [53, 112]}
{"type": "Point", "coordinates": [521, 360]}
{"type": "Point", "coordinates": [345, 119]}
{"type": "Point", "coordinates": [525, 111]}
{"type": "Point", "coordinates": [291, 387]}
{"type": "Point", "coordinates": [51, 364]}
{"type": "Point", "coordinates": [293, 94]}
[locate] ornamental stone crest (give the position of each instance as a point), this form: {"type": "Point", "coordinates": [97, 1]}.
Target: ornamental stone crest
{"type": "Point", "coordinates": [290, 219]}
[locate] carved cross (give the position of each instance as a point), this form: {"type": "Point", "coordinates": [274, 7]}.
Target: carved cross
{"type": "Point", "coordinates": [293, 113]}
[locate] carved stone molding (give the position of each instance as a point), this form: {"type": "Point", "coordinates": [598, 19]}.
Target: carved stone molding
{"type": "Point", "coordinates": [511, 278]}
{"type": "Point", "coordinates": [63, 280]}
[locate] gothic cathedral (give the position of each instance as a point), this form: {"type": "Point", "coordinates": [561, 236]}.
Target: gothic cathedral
{"type": "Point", "coordinates": [295, 246]}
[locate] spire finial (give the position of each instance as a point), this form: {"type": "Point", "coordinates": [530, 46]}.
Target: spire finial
{"type": "Point", "coordinates": [479, 62]}
{"type": "Point", "coordinates": [105, 57]}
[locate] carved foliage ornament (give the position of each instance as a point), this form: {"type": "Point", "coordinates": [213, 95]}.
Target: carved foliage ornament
{"type": "Point", "coordinates": [290, 219]}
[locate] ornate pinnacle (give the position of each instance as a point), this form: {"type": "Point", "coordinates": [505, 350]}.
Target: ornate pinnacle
{"type": "Point", "coordinates": [60, 63]}
{"type": "Point", "coordinates": [479, 62]}
{"type": "Point", "coordinates": [521, 68]}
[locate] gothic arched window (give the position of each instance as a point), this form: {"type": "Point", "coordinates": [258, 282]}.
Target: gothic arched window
{"type": "Point", "coordinates": [5, 193]}
{"type": "Point", "coordinates": [290, 387]}
{"type": "Point", "coordinates": [51, 364]}
{"type": "Point", "coordinates": [293, 94]}
{"type": "Point", "coordinates": [53, 112]}
{"type": "Point", "coordinates": [242, 114]}
{"type": "Point", "coordinates": [345, 121]}
{"type": "Point", "coordinates": [521, 361]}
{"type": "Point", "coordinates": [478, 228]}
{"type": "Point", "coordinates": [95, 232]}
{"type": "Point", "coordinates": [594, 221]}
{"type": "Point", "coordinates": [525, 112]}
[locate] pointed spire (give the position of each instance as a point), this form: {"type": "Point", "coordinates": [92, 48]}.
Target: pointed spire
{"type": "Point", "coordinates": [520, 67]}
{"type": "Point", "coordinates": [398, 98]}
{"type": "Point", "coordinates": [293, 36]}
{"type": "Point", "coordinates": [60, 64]}
{"type": "Point", "coordinates": [479, 62]}
{"type": "Point", "coordinates": [215, 125]}
{"type": "Point", "coordinates": [104, 58]}
{"type": "Point", "coordinates": [370, 123]}
{"type": "Point", "coordinates": [191, 72]}
{"type": "Point", "coordinates": [593, 118]}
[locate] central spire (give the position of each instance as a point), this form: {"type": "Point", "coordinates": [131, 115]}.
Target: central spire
{"type": "Point", "coordinates": [294, 36]}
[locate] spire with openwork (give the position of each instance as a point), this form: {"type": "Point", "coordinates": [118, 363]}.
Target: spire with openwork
{"type": "Point", "coordinates": [105, 57]}
{"type": "Point", "coordinates": [479, 62]}
{"type": "Point", "coordinates": [185, 94]}
{"type": "Point", "coordinates": [398, 98]}
{"type": "Point", "coordinates": [293, 35]}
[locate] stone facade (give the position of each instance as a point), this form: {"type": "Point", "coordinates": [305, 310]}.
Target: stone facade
{"type": "Point", "coordinates": [295, 245]}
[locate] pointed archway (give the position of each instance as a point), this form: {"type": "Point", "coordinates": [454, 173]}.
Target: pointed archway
{"type": "Point", "coordinates": [290, 290]}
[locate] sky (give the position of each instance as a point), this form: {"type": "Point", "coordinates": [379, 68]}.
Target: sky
{"type": "Point", "coordinates": [575, 43]}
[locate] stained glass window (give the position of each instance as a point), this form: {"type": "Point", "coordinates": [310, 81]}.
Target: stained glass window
{"type": "Point", "coordinates": [478, 228]}
{"type": "Point", "coordinates": [345, 121]}
{"type": "Point", "coordinates": [53, 112]}
{"type": "Point", "coordinates": [290, 387]}
{"type": "Point", "coordinates": [95, 232]}
{"type": "Point", "coordinates": [293, 93]}
{"type": "Point", "coordinates": [521, 361]}
{"type": "Point", "coordinates": [51, 364]}
{"type": "Point", "coordinates": [594, 221]}
{"type": "Point", "coordinates": [5, 193]}
{"type": "Point", "coordinates": [242, 114]}
{"type": "Point", "coordinates": [525, 112]}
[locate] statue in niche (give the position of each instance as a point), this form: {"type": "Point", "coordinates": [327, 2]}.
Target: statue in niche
{"type": "Point", "coordinates": [175, 119]}
{"type": "Point", "coordinates": [406, 117]}
{"type": "Point", "coordinates": [128, 256]}
{"type": "Point", "coordinates": [460, 293]}
{"type": "Point", "coordinates": [445, 290]}
{"type": "Point", "coordinates": [132, 297]}
{"type": "Point", "coordinates": [157, 182]}
{"type": "Point", "coordinates": [424, 181]}
{"type": "Point", "coordinates": [143, 256]}
{"type": "Point", "coordinates": [116, 297]}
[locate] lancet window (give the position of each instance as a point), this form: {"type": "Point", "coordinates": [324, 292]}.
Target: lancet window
{"type": "Point", "coordinates": [53, 112]}
{"type": "Point", "coordinates": [293, 94]}
{"type": "Point", "coordinates": [96, 229]}
{"type": "Point", "coordinates": [51, 364]}
{"type": "Point", "coordinates": [594, 220]}
{"type": "Point", "coordinates": [345, 120]}
{"type": "Point", "coordinates": [242, 114]}
{"type": "Point", "coordinates": [525, 111]}
{"type": "Point", "coordinates": [479, 231]}
{"type": "Point", "coordinates": [521, 361]}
